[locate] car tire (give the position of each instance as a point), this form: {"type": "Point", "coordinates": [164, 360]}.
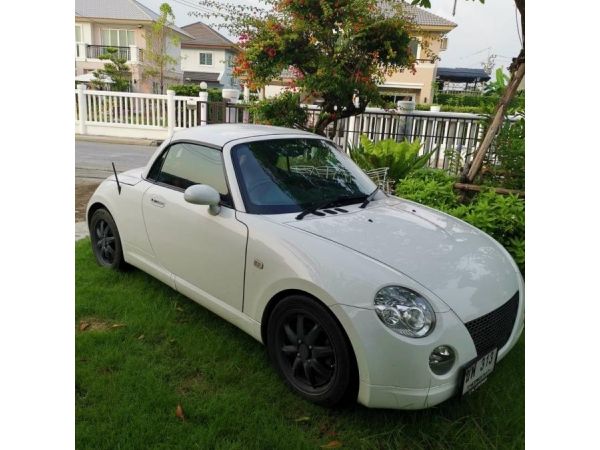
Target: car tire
{"type": "Point", "coordinates": [106, 242]}
{"type": "Point", "coordinates": [311, 352]}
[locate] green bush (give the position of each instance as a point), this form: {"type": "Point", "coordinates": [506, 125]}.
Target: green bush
{"type": "Point", "coordinates": [185, 90]}
{"type": "Point", "coordinates": [192, 90]}
{"type": "Point", "coordinates": [500, 216]}
{"type": "Point", "coordinates": [505, 166]}
{"type": "Point", "coordinates": [450, 108]}
{"type": "Point", "coordinates": [400, 157]}
{"type": "Point", "coordinates": [283, 111]}
{"type": "Point", "coordinates": [429, 187]}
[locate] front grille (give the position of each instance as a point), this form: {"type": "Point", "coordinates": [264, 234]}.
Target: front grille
{"type": "Point", "coordinates": [494, 329]}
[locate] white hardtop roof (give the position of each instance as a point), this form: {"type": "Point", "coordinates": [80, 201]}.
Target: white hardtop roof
{"type": "Point", "coordinates": [221, 134]}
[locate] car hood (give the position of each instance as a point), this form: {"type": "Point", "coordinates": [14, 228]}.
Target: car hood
{"type": "Point", "coordinates": [460, 264]}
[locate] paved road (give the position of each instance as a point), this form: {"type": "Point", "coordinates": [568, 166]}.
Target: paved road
{"type": "Point", "coordinates": [92, 159]}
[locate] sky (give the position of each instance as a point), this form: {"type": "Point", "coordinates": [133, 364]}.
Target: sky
{"type": "Point", "coordinates": [483, 29]}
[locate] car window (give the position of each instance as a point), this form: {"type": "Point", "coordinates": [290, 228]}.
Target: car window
{"type": "Point", "coordinates": [287, 175]}
{"type": "Point", "coordinates": [185, 164]}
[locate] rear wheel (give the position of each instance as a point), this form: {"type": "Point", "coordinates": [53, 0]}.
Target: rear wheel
{"type": "Point", "coordinates": [310, 350]}
{"type": "Point", "coordinates": [106, 241]}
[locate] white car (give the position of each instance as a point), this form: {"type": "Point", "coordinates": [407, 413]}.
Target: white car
{"type": "Point", "coordinates": [356, 294]}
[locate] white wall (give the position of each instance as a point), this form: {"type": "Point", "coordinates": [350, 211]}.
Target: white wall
{"type": "Point", "coordinates": [190, 60]}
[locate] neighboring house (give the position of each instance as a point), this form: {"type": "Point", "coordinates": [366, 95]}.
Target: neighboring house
{"type": "Point", "coordinates": [208, 57]}
{"type": "Point", "coordinates": [461, 79]}
{"type": "Point", "coordinates": [426, 46]}
{"type": "Point", "coordinates": [121, 24]}
{"type": "Point", "coordinates": [405, 85]}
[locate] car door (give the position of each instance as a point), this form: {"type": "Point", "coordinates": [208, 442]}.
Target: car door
{"type": "Point", "coordinates": [205, 252]}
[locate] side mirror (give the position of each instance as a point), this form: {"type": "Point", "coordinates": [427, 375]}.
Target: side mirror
{"type": "Point", "coordinates": [202, 194]}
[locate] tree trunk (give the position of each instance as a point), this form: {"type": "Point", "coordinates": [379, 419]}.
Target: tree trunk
{"type": "Point", "coordinates": [471, 171]}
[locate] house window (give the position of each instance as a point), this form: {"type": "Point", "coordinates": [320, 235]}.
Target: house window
{"type": "Point", "coordinates": [206, 59]}
{"type": "Point", "coordinates": [413, 47]}
{"type": "Point", "coordinates": [78, 34]}
{"type": "Point", "coordinates": [117, 38]}
{"type": "Point", "coordinates": [444, 44]}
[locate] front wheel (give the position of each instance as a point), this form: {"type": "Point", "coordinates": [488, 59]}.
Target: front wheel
{"type": "Point", "coordinates": [106, 241]}
{"type": "Point", "coordinates": [311, 351]}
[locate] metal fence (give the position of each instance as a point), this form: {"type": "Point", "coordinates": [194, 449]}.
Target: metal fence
{"type": "Point", "coordinates": [452, 138]}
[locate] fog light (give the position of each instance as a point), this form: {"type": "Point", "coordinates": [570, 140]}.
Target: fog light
{"type": "Point", "coordinates": [441, 359]}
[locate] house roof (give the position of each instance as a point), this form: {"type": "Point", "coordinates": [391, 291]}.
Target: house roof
{"type": "Point", "coordinates": [461, 74]}
{"type": "Point", "coordinates": [119, 10]}
{"type": "Point", "coordinates": [205, 36]}
{"type": "Point", "coordinates": [420, 16]}
{"type": "Point", "coordinates": [202, 76]}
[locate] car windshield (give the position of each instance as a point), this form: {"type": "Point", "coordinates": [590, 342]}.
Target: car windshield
{"type": "Point", "coordinates": [289, 175]}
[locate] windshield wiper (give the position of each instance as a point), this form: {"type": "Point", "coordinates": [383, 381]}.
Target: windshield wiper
{"type": "Point", "coordinates": [369, 198]}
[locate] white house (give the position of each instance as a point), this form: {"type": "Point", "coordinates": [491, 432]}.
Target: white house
{"type": "Point", "coordinates": [121, 24]}
{"type": "Point", "coordinates": [208, 57]}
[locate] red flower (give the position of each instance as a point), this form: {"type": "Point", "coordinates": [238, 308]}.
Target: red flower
{"type": "Point", "coordinates": [271, 52]}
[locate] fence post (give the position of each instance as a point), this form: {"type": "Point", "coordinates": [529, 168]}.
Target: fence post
{"type": "Point", "coordinates": [405, 121]}
{"type": "Point", "coordinates": [170, 112]}
{"type": "Point", "coordinates": [81, 100]}
{"type": "Point", "coordinates": [246, 114]}
{"type": "Point", "coordinates": [232, 111]}
{"type": "Point", "coordinates": [203, 107]}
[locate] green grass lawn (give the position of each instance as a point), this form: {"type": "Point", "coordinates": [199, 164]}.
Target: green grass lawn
{"type": "Point", "coordinates": [142, 349]}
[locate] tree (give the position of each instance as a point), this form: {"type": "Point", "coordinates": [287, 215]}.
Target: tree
{"type": "Point", "coordinates": [116, 70]}
{"type": "Point", "coordinates": [157, 59]}
{"type": "Point", "coordinates": [336, 50]}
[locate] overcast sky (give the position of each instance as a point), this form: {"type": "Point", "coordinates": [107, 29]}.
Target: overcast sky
{"type": "Point", "coordinates": [483, 29]}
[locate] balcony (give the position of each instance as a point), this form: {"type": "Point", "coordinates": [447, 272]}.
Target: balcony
{"type": "Point", "coordinates": [131, 54]}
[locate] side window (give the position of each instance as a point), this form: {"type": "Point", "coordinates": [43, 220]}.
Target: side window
{"type": "Point", "coordinates": [183, 165]}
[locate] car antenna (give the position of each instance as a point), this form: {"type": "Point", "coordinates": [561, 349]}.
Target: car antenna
{"type": "Point", "coordinates": [116, 178]}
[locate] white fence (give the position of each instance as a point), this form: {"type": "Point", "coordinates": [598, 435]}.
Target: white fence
{"type": "Point", "coordinates": [125, 114]}
{"type": "Point", "coordinates": [150, 116]}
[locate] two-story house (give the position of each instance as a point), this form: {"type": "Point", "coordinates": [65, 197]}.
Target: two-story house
{"type": "Point", "coordinates": [122, 24]}
{"type": "Point", "coordinates": [427, 44]}
{"type": "Point", "coordinates": [207, 57]}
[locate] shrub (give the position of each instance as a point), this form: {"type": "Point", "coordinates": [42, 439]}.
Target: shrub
{"type": "Point", "coordinates": [505, 166]}
{"type": "Point", "coordinates": [186, 90]}
{"type": "Point", "coordinates": [283, 110]}
{"type": "Point", "coordinates": [192, 90]}
{"type": "Point", "coordinates": [429, 187]}
{"type": "Point", "coordinates": [400, 157]}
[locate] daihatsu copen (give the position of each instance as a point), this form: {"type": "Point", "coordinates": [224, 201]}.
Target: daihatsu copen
{"type": "Point", "coordinates": [355, 294]}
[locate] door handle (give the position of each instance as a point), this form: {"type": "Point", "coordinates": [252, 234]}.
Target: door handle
{"type": "Point", "coordinates": [157, 202]}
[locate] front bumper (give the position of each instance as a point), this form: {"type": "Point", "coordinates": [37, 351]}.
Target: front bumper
{"type": "Point", "coordinates": [394, 370]}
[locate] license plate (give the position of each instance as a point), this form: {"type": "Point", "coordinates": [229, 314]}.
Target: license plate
{"type": "Point", "coordinates": [476, 373]}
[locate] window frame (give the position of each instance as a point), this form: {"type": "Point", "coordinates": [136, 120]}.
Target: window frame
{"type": "Point", "coordinates": [80, 34]}
{"type": "Point", "coordinates": [155, 169]}
{"type": "Point", "coordinates": [120, 44]}
{"type": "Point", "coordinates": [418, 52]}
{"type": "Point", "coordinates": [211, 59]}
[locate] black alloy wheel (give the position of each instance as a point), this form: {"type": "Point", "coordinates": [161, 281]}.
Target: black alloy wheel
{"type": "Point", "coordinates": [106, 242]}
{"type": "Point", "coordinates": [311, 351]}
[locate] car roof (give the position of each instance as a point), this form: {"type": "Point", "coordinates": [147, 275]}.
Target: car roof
{"type": "Point", "coordinates": [220, 134]}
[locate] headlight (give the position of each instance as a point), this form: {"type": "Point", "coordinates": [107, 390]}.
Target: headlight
{"type": "Point", "coordinates": [404, 311]}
